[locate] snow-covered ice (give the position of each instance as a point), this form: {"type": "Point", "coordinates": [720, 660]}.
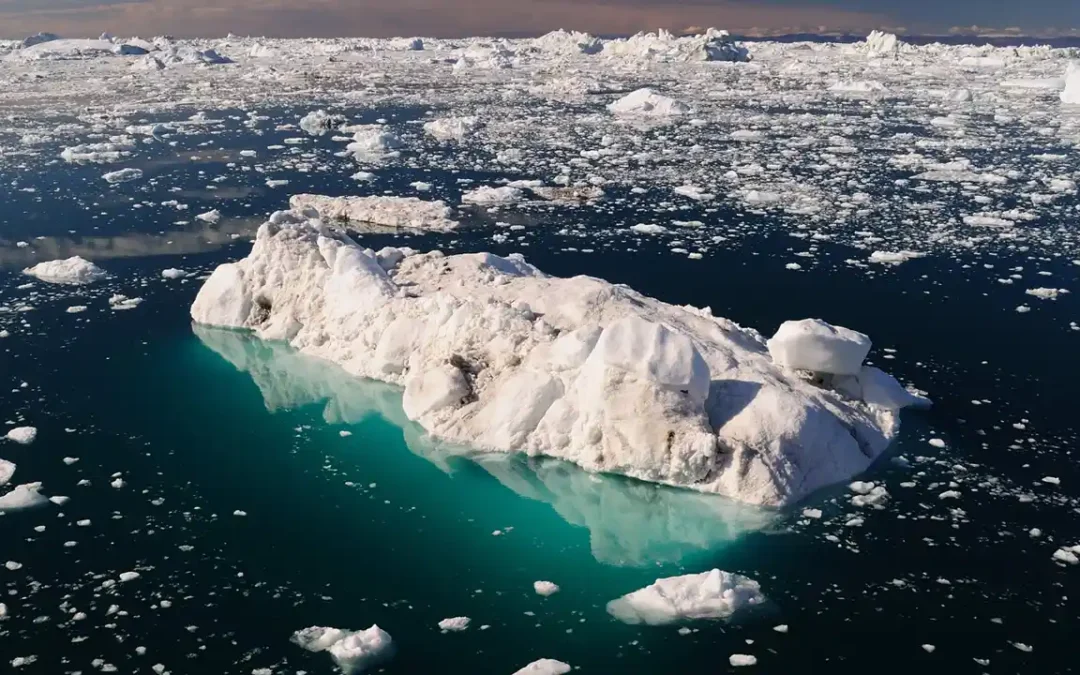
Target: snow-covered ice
{"type": "Point", "coordinates": [496, 355]}
{"type": "Point", "coordinates": [715, 594]}
{"type": "Point", "coordinates": [74, 270]}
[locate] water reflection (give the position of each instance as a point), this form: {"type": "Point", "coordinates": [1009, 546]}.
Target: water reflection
{"type": "Point", "coordinates": [630, 522]}
{"type": "Point", "coordinates": [198, 239]}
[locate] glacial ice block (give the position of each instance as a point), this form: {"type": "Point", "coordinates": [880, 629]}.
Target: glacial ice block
{"type": "Point", "coordinates": [497, 356]}
{"type": "Point", "coordinates": [715, 594]}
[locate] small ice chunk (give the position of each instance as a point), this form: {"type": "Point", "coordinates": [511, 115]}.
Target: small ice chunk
{"type": "Point", "coordinates": [129, 576]}
{"type": "Point", "coordinates": [7, 470]}
{"type": "Point", "coordinates": [172, 273]}
{"type": "Point", "coordinates": [211, 217]}
{"type": "Point", "coordinates": [709, 595]}
{"type": "Point", "coordinates": [544, 588]}
{"type": "Point", "coordinates": [23, 496]}
{"type": "Point", "coordinates": [457, 623]}
{"type": "Point", "coordinates": [544, 667]}
{"type": "Point", "coordinates": [123, 176]}
{"type": "Point", "coordinates": [352, 651]}
{"type": "Point", "coordinates": [22, 435]}
{"type": "Point", "coordinates": [739, 660]}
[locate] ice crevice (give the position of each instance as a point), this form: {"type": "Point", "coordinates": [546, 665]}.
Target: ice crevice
{"type": "Point", "coordinates": [495, 355]}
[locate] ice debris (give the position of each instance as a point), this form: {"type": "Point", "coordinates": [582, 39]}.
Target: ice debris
{"type": "Point", "coordinates": [396, 212]}
{"type": "Point", "coordinates": [22, 435]}
{"type": "Point", "coordinates": [352, 651]}
{"type": "Point", "coordinates": [709, 595]}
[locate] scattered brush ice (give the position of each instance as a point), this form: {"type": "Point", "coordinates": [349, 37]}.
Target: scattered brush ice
{"type": "Point", "coordinates": [352, 651]}
{"type": "Point", "coordinates": [123, 176]}
{"type": "Point", "coordinates": [488, 196]}
{"type": "Point", "coordinates": [397, 212]}
{"type": "Point", "coordinates": [496, 355]}
{"type": "Point", "coordinates": [7, 470]}
{"type": "Point", "coordinates": [73, 270]}
{"type": "Point", "coordinates": [545, 667]}
{"type": "Point", "coordinates": [544, 588]}
{"type": "Point", "coordinates": [1046, 293]}
{"type": "Point", "coordinates": [739, 660]}
{"type": "Point", "coordinates": [25, 496]}
{"type": "Point", "coordinates": [22, 435]}
{"type": "Point", "coordinates": [1069, 555]}
{"type": "Point", "coordinates": [813, 345]}
{"type": "Point", "coordinates": [452, 128]}
{"type": "Point", "coordinates": [212, 217]}
{"type": "Point", "coordinates": [893, 257]}
{"type": "Point", "coordinates": [1071, 93]}
{"type": "Point", "coordinates": [647, 103]}
{"type": "Point", "coordinates": [319, 122]}
{"type": "Point", "coordinates": [457, 623]}
{"type": "Point", "coordinates": [172, 273]}
{"type": "Point", "coordinates": [709, 595]}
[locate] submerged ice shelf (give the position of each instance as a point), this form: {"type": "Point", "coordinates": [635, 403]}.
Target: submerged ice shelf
{"type": "Point", "coordinates": [495, 355]}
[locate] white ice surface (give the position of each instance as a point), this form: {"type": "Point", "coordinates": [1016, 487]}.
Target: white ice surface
{"type": "Point", "coordinates": [715, 594]}
{"type": "Point", "coordinates": [74, 270]}
{"type": "Point", "coordinates": [495, 355]}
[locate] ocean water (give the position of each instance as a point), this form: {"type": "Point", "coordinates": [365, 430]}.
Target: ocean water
{"type": "Point", "coordinates": [263, 492]}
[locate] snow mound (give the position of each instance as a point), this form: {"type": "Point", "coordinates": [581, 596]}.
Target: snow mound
{"type": "Point", "coordinates": [812, 344]}
{"type": "Point", "coordinates": [352, 651]}
{"type": "Point", "coordinates": [1071, 93]}
{"type": "Point", "coordinates": [647, 103]}
{"type": "Point", "coordinates": [709, 595]}
{"type": "Point", "coordinates": [73, 270]}
{"type": "Point", "coordinates": [497, 356]}
{"type": "Point", "coordinates": [545, 667]}
{"type": "Point", "coordinates": [452, 128]}
{"type": "Point", "coordinates": [398, 212]}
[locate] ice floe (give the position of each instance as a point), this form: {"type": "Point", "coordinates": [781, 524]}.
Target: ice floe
{"type": "Point", "coordinates": [715, 594]}
{"type": "Point", "coordinates": [352, 651]}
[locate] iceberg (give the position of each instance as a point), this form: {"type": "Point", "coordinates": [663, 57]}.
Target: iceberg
{"type": "Point", "coordinates": [647, 103]}
{"type": "Point", "coordinates": [715, 594]}
{"type": "Point", "coordinates": [74, 271]}
{"type": "Point", "coordinates": [352, 651]}
{"type": "Point", "coordinates": [497, 356]}
{"type": "Point", "coordinates": [1071, 94]}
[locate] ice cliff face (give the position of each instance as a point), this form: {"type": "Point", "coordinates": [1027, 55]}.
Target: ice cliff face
{"type": "Point", "coordinates": [496, 355]}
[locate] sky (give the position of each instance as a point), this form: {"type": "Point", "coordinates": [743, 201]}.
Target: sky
{"type": "Point", "coordinates": [456, 18]}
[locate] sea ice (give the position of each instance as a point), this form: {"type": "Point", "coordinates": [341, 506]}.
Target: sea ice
{"type": "Point", "coordinates": [709, 595]}
{"type": "Point", "coordinates": [123, 176]}
{"type": "Point", "coordinates": [545, 667]}
{"type": "Point", "coordinates": [457, 623]}
{"type": "Point", "coordinates": [544, 588]}
{"type": "Point", "coordinates": [22, 435]}
{"type": "Point", "coordinates": [452, 128]}
{"type": "Point", "coordinates": [73, 270]}
{"type": "Point", "coordinates": [23, 496]}
{"type": "Point", "coordinates": [496, 355]}
{"type": "Point", "coordinates": [352, 651]}
{"type": "Point", "coordinates": [397, 212]}
{"type": "Point", "coordinates": [647, 103]}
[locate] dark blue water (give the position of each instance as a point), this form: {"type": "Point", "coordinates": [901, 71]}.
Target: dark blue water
{"type": "Point", "coordinates": [381, 527]}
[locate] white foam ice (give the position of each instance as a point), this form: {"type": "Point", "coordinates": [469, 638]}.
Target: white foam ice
{"type": "Point", "coordinates": [715, 594]}
{"type": "Point", "coordinates": [497, 356]}
{"type": "Point", "coordinates": [352, 651]}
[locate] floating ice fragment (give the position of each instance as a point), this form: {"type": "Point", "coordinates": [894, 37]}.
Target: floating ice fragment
{"type": "Point", "coordinates": [457, 623]}
{"type": "Point", "coordinates": [544, 667]}
{"type": "Point", "coordinates": [22, 435]}
{"type": "Point", "coordinates": [123, 176]}
{"type": "Point", "coordinates": [709, 595]}
{"type": "Point", "coordinates": [544, 588]}
{"type": "Point", "coordinates": [740, 660]}
{"type": "Point", "coordinates": [73, 270]}
{"type": "Point", "coordinates": [352, 651]}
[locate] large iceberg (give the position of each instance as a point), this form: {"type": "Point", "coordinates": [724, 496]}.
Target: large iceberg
{"type": "Point", "coordinates": [495, 355]}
